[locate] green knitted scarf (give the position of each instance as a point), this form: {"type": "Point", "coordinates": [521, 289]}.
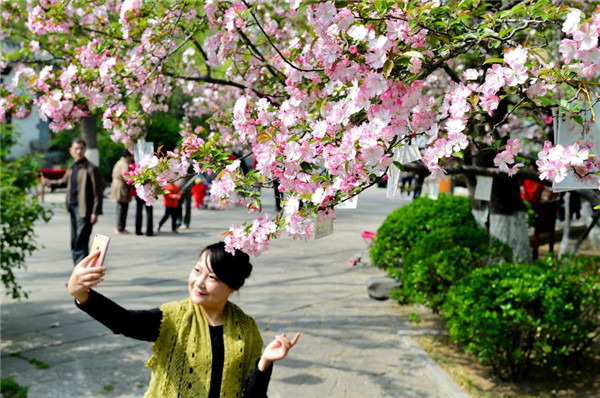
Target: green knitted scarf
{"type": "Point", "coordinates": [182, 355]}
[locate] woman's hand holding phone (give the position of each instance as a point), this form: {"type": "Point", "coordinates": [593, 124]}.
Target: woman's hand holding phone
{"type": "Point", "coordinates": [84, 276]}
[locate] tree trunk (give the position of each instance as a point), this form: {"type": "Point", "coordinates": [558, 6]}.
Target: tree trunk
{"type": "Point", "coordinates": [564, 243]}
{"type": "Point", "coordinates": [504, 215]}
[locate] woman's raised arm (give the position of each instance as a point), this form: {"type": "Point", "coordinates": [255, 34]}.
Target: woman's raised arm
{"type": "Point", "coordinates": [276, 350]}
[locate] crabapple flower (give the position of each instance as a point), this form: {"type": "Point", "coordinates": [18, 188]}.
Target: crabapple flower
{"type": "Point", "coordinates": [586, 37]}
{"type": "Point", "coordinates": [506, 157]}
{"type": "Point", "coordinates": [516, 57]}
{"type": "Point", "coordinates": [554, 163]}
{"type": "Point", "coordinates": [470, 74]}
{"type": "Point", "coordinates": [571, 23]}
{"type": "Point", "coordinates": [254, 239]}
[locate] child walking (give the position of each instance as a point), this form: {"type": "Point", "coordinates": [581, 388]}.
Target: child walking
{"type": "Point", "coordinates": [171, 202]}
{"type": "Point", "coordinates": [199, 192]}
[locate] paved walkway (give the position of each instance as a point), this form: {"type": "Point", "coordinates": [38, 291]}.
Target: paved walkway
{"type": "Point", "coordinates": [351, 346]}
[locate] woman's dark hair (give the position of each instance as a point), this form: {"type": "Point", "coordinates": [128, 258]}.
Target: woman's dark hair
{"type": "Point", "coordinates": [229, 268]}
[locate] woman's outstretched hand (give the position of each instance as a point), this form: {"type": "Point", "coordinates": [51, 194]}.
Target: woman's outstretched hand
{"type": "Point", "coordinates": [84, 276]}
{"type": "Point", "coordinates": [276, 350]}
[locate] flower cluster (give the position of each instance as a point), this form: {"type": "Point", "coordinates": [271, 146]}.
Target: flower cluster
{"type": "Point", "coordinates": [125, 126]}
{"type": "Point", "coordinates": [583, 47]}
{"type": "Point", "coordinates": [555, 163]}
{"type": "Point", "coordinates": [253, 238]}
{"type": "Point", "coordinates": [321, 98]}
{"type": "Point", "coordinates": [507, 157]}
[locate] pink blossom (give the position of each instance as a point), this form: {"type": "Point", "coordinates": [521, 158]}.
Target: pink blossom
{"type": "Point", "coordinates": [148, 161]}
{"type": "Point", "coordinates": [568, 49]}
{"type": "Point", "coordinates": [490, 102]}
{"type": "Point", "coordinates": [554, 163]}
{"type": "Point", "coordinates": [515, 77]}
{"type": "Point", "coordinates": [358, 32]}
{"type": "Point", "coordinates": [470, 74]}
{"type": "Point", "coordinates": [494, 79]}
{"type": "Point", "coordinates": [374, 85]}
{"type": "Point", "coordinates": [146, 192]}
{"type": "Point", "coordinates": [575, 155]}
{"type": "Point", "coordinates": [516, 57]}
{"type": "Point", "coordinates": [299, 227]}
{"type": "Point", "coordinates": [586, 37]}
{"type": "Point", "coordinates": [455, 125]}
{"type": "Point", "coordinates": [344, 19]}
{"type": "Point", "coordinates": [376, 59]}
{"type": "Point", "coordinates": [415, 65]}
{"type": "Point", "coordinates": [221, 190]}
{"type": "Point", "coordinates": [324, 13]}
{"type": "Point", "coordinates": [571, 23]}
{"type": "Point", "coordinates": [128, 9]}
{"type": "Point", "coordinates": [397, 29]}
{"type": "Point", "coordinates": [515, 169]}
{"type": "Point", "coordinates": [537, 88]}
{"type": "Point", "coordinates": [254, 239]}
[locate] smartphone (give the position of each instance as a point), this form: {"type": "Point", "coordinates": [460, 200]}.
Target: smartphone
{"type": "Point", "coordinates": [100, 242]}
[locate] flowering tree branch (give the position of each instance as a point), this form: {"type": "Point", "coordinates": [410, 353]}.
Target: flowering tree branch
{"type": "Point", "coordinates": [320, 93]}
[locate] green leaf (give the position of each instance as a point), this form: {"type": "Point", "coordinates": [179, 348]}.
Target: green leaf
{"type": "Point", "coordinates": [541, 54]}
{"type": "Point", "coordinates": [411, 54]}
{"type": "Point", "coordinates": [459, 155]}
{"type": "Point", "coordinates": [388, 67]}
{"type": "Point", "coordinates": [494, 61]}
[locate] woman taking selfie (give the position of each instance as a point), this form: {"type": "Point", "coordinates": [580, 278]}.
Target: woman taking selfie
{"type": "Point", "coordinates": [204, 346]}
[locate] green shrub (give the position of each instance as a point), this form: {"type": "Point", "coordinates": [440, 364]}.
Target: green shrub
{"type": "Point", "coordinates": [11, 389]}
{"type": "Point", "coordinates": [404, 227]}
{"type": "Point", "coordinates": [440, 259]}
{"type": "Point", "coordinates": [515, 316]}
{"type": "Point", "coordinates": [19, 211]}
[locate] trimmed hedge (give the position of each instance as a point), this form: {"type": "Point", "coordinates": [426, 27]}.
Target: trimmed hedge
{"type": "Point", "coordinates": [441, 258]}
{"type": "Point", "coordinates": [404, 227]}
{"type": "Point", "coordinates": [514, 316]}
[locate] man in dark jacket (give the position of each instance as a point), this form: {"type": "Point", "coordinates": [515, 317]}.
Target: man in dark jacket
{"type": "Point", "coordinates": [84, 198]}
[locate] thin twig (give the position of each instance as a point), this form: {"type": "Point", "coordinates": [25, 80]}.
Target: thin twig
{"type": "Point", "coordinates": [274, 46]}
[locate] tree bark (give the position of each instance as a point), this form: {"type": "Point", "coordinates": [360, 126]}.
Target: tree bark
{"type": "Point", "coordinates": [564, 243]}
{"type": "Point", "coordinates": [504, 216]}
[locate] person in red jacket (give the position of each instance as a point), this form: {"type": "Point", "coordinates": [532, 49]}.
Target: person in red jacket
{"type": "Point", "coordinates": [199, 192]}
{"type": "Point", "coordinates": [171, 202]}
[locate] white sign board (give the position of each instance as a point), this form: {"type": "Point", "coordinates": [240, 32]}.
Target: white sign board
{"type": "Point", "coordinates": [393, 175]}
{"type": "Point", "coordinates": [483, 190]}
{"type": "Point", "coordinates": [569, 132]}
{"type": "Point", "coordinates": [348, 204]}
{"type": "Point", "coordinates": [323, 228]}
{"type": "Point", "coordinates": [141, 149]}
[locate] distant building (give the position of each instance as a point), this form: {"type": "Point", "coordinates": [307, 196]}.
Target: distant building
{"type": "Point", "coordinates": [34, 133]}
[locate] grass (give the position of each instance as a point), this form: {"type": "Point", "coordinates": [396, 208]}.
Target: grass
{"type": "Point", "coordinates": [11, 389]}
{"type": "Point", "coordinates": [39, 364]}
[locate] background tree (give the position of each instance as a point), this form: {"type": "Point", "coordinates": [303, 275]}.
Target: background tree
{"type": "Point", "coordinates": [19, 211]}
{"type": "Point", "coordinates": [325, 95]}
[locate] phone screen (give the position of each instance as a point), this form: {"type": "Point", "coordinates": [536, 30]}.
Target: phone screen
{"type": "Point", "coordinates": [100, 242]}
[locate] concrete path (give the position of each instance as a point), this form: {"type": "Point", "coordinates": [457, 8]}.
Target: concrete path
{"type": "Point", "coordinates": [351, 346]}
